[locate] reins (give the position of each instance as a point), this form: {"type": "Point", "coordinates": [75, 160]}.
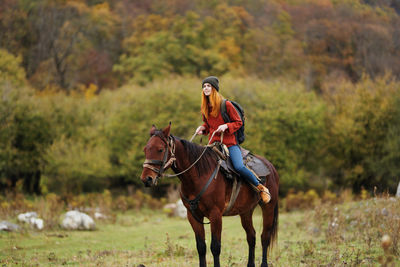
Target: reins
{"type": "Point", "coordinates": [164, 164]}
{"type": "Point", "coordinates": [193, 203]}
{"type": "Point", "coordinates": [201, 155]}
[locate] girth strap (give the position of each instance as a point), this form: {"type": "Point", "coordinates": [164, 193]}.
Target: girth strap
{"type": "Point", "coordinates": [194, 203]}
{"type": "Point", "coordinates": [237, 184]}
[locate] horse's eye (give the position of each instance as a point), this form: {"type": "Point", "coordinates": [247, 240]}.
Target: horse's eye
{"type": "Point", "coordinates": [160, 150]}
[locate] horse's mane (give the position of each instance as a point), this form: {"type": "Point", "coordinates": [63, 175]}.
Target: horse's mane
{"type": "Point", "coordinates": [194, 151]}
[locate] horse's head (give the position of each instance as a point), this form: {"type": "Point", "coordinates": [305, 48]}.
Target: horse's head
{"type": "Point", "coordinates": [159, 153]}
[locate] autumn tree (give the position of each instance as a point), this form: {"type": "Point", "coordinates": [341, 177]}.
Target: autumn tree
{"type": "Point", "coordinates": [65, 33]}
{"type": "Point", "coordinates": [188, 44]}
{"type": "Point", "coordinates": [24, 136]}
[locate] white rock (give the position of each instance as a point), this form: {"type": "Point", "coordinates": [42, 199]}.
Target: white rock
{"type": "Point", "coordinates": [7, 226]}
{"type": "Point", "coordinates": [75, 220]}
{"type": "Point", "coordinates": [70, 223]}
{"type": "Point", "coordinates": [398, 191]}
{"type": "Point", "coordinates": [25, 217]}
{"type": "Point", "coordinates": [32, 219]}
{"type": "Point", "coordinates": [180, 210]}
{"type": "Point", "coordinates": [36, 223]}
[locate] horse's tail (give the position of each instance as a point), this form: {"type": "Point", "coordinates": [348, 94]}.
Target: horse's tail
{"type": "Point", "coordinates": [274, 231]}
{"type": "Point", "coordinates": [273, 186]}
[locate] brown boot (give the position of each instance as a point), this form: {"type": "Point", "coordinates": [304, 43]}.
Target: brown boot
{"type": "Point", "coordinates": [264, 193]}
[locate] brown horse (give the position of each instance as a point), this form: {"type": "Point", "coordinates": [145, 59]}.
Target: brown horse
{"type": "Point", "coordinates": [206, 192]}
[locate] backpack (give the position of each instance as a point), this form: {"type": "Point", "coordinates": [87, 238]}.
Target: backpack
{"type": "Point", "coordinates": [240, 136]}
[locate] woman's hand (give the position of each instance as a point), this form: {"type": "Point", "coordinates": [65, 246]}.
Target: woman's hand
{"type": "Point", "coordinates": [200, 129]}
{"type": "Point", "coordinates": [222, 128]}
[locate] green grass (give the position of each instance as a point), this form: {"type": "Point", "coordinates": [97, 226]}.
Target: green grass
{"type": "Point", "coordinates": [306, 238]}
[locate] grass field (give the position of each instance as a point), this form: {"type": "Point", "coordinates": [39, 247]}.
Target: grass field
{"type": "Point", "coordinates": [343, 235]}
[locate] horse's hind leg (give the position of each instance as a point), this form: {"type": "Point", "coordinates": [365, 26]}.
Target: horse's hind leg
{"type": "Point", "coordinates": [270, 228]}
{"type": "Point", "coordinates": [247, 223]}
{"type": "Point", "coordinates": [216, 228]}
{"type": "Point", "coordinates": [198, 229]}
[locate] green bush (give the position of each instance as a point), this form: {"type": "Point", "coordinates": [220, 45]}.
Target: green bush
{"type": "Point", "coordinates": [25, 134]}
{"type": "Point", "coordinates": [362, 135]}
{"type": "Point", "coordinates": [11, 71]}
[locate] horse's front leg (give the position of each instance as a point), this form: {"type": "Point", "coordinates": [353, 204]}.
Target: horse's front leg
{"type": "Point", "coordinates": [216, 228]}
{"type": "Point", "coordinates": [198, 229]}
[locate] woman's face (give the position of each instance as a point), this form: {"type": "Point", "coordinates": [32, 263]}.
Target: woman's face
{"type": "Point", "coordinates": [207, 89]}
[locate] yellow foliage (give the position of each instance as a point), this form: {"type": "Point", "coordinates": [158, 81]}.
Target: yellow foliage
{"type": "Point", "coordinates": [230, 50]}
{"type": "Point", "coordinates": [49, 90]}
{"type": "Point", "coordinates": [90, 92]}
{"type": "Point", "coordinates": [144, 27]}
{"type": "Point", "coordinates": [329, 197]}
{"type": "Point", "coordinates": [102, 8]}
{"type": "Point", "coordinates": [28, 204]}
{"type": "Point", "coordinates": [10, 69]}
{"type": "Point", "coordinates": [51, 198]}
{"type": "Point", "coordinates": [301, 200]}
{"type": "Point", "coordinates": [358, 170]}
{"type": "Point", "coordinates": [311, 199]}
{"type": "Point", "coordinates": [79, 5]}
{"type": "Point", "coordinates": [104, 19]}
{"type": "Point", "coordinates": [4, 205]}
{"type": "Point", "coordinates": [364, 194]}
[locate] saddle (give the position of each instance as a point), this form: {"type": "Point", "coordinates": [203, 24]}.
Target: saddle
{"type": "Point", "coordinates": [250, 161]}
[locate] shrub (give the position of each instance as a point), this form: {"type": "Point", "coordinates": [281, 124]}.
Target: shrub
{"type": "Point", "coordinates": [11, 72]}
{"type": "Point", "coordinates": [362, 134]}
{"type": "Point", "coordinates": [301, 200]}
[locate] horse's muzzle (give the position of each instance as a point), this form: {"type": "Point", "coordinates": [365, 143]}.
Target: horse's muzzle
{"type": "Point", "coordinates": [148, 182]}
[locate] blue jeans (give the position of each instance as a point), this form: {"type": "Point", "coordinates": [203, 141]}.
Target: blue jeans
{"type": "Point", "coordinates": [237, 161]}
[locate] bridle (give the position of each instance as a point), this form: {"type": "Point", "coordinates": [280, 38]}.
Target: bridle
{"type": "Point", "coordinates": [164, 163]}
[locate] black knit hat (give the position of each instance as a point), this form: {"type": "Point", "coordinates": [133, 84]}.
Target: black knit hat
{"type": "Point", "coordinates": [213, 81]}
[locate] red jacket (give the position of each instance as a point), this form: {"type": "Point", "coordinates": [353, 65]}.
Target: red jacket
{"type": "Point", "coordinates": [212, 123]}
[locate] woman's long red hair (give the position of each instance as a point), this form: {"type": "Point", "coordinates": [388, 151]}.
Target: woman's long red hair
{"type": "Point", "coordinates": [214, 100]}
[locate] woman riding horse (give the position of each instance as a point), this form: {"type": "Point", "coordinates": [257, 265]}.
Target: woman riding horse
{"type": "Point", "coordinates": [205, 191]}
{"type": "Point", "coordinates": [214, 122]}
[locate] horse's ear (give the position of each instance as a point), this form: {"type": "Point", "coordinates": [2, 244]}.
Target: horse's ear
{"type": "Point", "coordinates": [153, 130]}
{"type": "Point", "coordinates": [167, 130]}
